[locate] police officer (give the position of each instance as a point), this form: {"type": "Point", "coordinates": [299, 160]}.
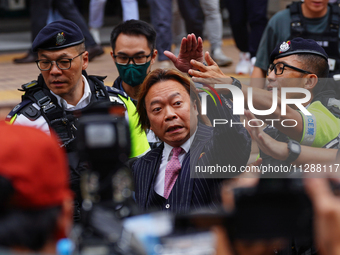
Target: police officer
{"type": "Point", "coordinates": [301, 19]}
{"type": "Point", "coordinates": [318, 21]}
{"type": "Point", "coordinates": [64, 87]}
{"type": "Point", "coordinates": [297, 63]}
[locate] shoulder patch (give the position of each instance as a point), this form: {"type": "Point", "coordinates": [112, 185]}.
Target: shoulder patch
{"type": "Point", "coordinates": [17, 108]}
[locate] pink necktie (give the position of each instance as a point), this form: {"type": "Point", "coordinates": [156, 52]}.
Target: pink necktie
{"type": "Point", "coordinates": [171, 171]}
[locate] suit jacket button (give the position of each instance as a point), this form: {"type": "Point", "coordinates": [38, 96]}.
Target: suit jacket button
{"type": "Point", "coordinates": [167, 206]}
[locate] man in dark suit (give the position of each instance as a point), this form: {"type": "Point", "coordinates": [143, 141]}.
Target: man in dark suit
{"type": "Point", "coordinates": [172, 176]}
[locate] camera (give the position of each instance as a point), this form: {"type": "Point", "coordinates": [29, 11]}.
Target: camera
{"type": "Point", "coordinates": [103, 141]}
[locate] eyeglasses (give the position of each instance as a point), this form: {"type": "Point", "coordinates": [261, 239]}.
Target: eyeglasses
{"type": "Point", "coordinates": [62, 64]}
{"type": "Point", "coordinates": [279, 67]}
{"type": "Point", "coordinates": [137, 60]}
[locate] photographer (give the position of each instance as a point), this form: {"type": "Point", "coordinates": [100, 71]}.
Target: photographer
{"type": "Point", "coordinates": [35, 198]}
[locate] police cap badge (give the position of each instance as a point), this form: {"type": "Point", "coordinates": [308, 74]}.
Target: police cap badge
{"type": "Point", "coordinates": [297, 46]}
{"type": "Point", "coordinates": [58, 35]}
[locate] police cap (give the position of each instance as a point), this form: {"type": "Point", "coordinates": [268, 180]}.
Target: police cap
{"type": "Point", "coordinates": [297, 45]}
{"type": "Point", "coordinates": [58, 35]}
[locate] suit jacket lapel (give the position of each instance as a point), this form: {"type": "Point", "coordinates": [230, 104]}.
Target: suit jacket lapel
{"type": "Point", "coordinates": [202, 136]}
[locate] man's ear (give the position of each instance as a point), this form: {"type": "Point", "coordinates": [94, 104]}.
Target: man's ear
{"type": "Point", "coordinates": [311, 81]}
{"type": "Point", "coordinates": [85, 60]}
{"type": "Point", "coordinates": [111, 53]}
{"type": "Point", "coordinates": [154, 55]}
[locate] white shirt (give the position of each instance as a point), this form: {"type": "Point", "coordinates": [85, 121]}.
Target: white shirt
{"type": "Point", "coordinates": [41, 123]}
{"type": "Point", "coordinates": [166, 157]}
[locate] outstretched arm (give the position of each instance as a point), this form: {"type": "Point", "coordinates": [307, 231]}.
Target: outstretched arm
{"type": "Point", "coordinates": [191, 48]}
{"type": "Point", "coordinates": [258, 78]}
{"type": "Point", "coordinates": [279, 150]}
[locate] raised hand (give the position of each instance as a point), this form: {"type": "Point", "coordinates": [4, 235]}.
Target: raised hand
{"type": "Point", "coordinates": [191, 48]}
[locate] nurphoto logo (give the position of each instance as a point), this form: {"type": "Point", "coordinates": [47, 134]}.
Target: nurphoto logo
{"type": "Point", "coordinates": [238, 103]}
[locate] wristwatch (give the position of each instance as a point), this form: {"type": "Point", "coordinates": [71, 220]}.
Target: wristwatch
{"type": "Point", "coordinates": [236, 82]}
{"type": "Point", "coordinates": [294, 149]}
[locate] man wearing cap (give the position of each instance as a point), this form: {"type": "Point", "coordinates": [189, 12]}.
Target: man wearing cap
{"type": "Point", "coordinates": [298, 63]}
{"type": "Point", "coordinates": [308, 19]}
{"type": "Point", "coordinates": [64, 87]}
{"type": "Point", "coordinates": [35, 198]}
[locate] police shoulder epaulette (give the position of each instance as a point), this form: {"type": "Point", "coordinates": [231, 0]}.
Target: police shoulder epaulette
{"type": "Point", "coordinates": [17, 108]}
{"type": "Point", "coordinates": [28, 85]}
{"type": "Point", "coordinates": [116, 91]}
